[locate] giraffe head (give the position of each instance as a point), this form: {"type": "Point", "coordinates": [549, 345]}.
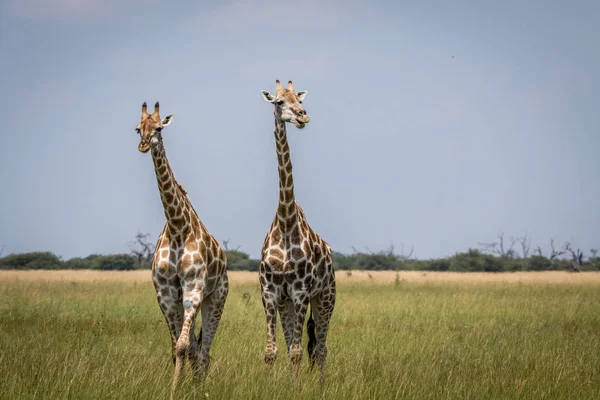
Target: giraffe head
{"type": "Point", "coordinates": [288, 104]}
{"type": "Point", "coordinates": [150, 128]}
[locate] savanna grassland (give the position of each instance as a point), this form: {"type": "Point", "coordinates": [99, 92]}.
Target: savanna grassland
{"type": "Point", "coordinates": [100, 335]}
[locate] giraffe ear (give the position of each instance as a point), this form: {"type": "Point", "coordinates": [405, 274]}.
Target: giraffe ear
{"type": "Point", "coordinates": [267, 96]}
{"type": "Point", "coordinates": [302, 95]}
{"type": "Point", "coordinates": [167, 120]}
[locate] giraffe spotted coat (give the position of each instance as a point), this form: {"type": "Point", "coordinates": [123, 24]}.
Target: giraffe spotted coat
{"type": "Point", "coordinates": [189, 267]}
{"type": "Point", "coordinates": [296, 267]}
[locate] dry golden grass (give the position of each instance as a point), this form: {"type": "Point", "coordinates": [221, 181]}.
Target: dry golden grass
{"type": "Point", "coordinates": [382, 277]}
{"type": "Point", "coordinates": [101, 335]}
{"type": "Point", "coordinates": [469, 277]}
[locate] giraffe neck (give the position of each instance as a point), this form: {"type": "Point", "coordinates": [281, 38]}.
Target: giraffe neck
{"type": "Point", "coordinates": [174, 201]}
{"type": "Point", "coordinates": [286, 210]}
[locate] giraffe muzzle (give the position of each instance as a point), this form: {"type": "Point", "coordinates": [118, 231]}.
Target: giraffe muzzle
{"type": "Point", "coordinates": [144, 146]}
{"type": "Point", "coordinates": [301, 121]}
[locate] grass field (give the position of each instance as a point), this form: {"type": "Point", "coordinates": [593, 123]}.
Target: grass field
{"type": "Point", "coordinates": [91, 335]}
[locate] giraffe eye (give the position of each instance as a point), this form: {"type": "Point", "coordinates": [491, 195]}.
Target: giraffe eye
{"type": "Point", "coordinates": [137, 130]}
{"type": "Point", "coordinates": [159, 129]}
{"type": "Point", "coordinates": [279, 102]}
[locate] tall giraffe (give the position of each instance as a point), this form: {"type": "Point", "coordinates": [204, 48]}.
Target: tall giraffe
{"type": "Point", "coordinates": [296, 267]}
{"type": "Point", "coordinates": [189, 267]}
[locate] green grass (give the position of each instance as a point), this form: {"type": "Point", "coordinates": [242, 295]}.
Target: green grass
{"type": "Point", "coordinates": [95, 340]}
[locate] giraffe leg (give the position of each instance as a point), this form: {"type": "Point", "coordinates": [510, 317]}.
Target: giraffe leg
{"type": "Point", "coordinates": [172, 311]}
{"type": "Point", "coordinates": [286, 311]}
{"type": "Point", "coordinates": [192, 300]}
{"type": "Point", "coordinates": [300, 302]}
{"type": "Point", "coordinates": [193, 352]}
{"type": "Point", "coordinates": [312, 339]}
{"type": "Point", "coordinates": [175, 322]}
{"type": "Point", "coordinates": [270, 304]}
{"type": "Point", "coordinates": [212, 310]}
{"type": "Point", "coordinates": [322, 308]}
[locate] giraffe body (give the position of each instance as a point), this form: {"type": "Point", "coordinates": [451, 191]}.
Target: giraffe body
{"type": "Point", "coordinates": [296, 269]}
{"type": "Point", "coordinates": [189, 267]}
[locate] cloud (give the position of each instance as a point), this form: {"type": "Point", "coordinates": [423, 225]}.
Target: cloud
{"type": "Point", "coordinates": [56, 9]}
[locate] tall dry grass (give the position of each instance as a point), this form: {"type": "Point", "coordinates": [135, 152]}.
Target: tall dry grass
{"type": "Point", "coordinates": [435, 336]}
{"type": "Point", "coordinates": [384, 277]}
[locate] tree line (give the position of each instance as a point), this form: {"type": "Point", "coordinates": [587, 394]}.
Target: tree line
{"type": "Point", "coordinates": [503, 255]}
{"type": "Point", "coordinates": [236, 261]}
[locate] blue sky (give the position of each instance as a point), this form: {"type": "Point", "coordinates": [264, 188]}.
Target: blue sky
{"type": "Point", "coordinates": [433, 124]}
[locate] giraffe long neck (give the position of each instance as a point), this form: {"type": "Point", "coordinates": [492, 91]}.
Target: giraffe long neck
{"type": "Point", "coordinates": [174, 200]}
{"type": "Point", "coordinates": [286, 210]}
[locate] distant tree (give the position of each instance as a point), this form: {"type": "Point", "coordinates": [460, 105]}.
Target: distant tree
{"type": "Point", "coordinates": [226, 245]}
{"type": "Point", "coordinates": [401, 256]}
{"type": "Point", "coordinates": [370, 260]}
{"type": "Point", "coordinates": [594, 260]}
{"type": "Point", "coordinates": [474, 261]}
{"type": "Point", "coordinates": [77, 263]}
{"type": "Point", "coordinates": [440, 264]}
{"type": "Point", "coordinates": [500, 247]}
{"type": "Point", "coordinates": [525, 243]}
{"type": "Point", "coordinates": [116, 262]}
{"type": "Point", "coordinates": [142, 248]}
{"type": "Point", "coordinates": [2, 250]}
{"type": "Point", "coordinates": [538, 263]}
{"type": "Point", "coordinates": [240, 261]}
{"type": "Point", "coordinates": [576, 257]}
{"type": "Point", "coordinates": [35, 260]}
{"type": "Point", "coordinates": [554, 252]}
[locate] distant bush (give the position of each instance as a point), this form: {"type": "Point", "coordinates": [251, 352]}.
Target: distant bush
{"type": "Point", "coordinates": [538, 263]}
{"type": "Point", "coordinates": [473, 261]}
{"type": "Point", "coordinates": [77, 263]}
{"type": "Point", "coordinates": [367, 261]}
{"type": "Point", "coordinates": [592, 265]}
{"type": "Point", "coordinates": [470, 261]}
{"type": "Point", "coordinates": [117, 262]}
{"type": "Point", "coordinates": [442, 264]}
{"type": "Point", "coordinates": [36, 260]}
{"type": "Point", "coordinates": [240, 261]}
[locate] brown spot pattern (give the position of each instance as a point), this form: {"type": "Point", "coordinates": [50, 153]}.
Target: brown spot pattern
{"type": "Point", "coordinates": [292, 246]}
{"type": "Point", "coordinates": [179, 273]}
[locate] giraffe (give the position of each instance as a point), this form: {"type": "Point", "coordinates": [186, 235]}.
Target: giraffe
{"type": "Point", "coordinates": [296, 268]}
{"type": "Point", "coordinates": [189, 267]}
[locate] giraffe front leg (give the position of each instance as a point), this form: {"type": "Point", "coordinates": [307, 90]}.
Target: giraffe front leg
{"type": "Point", "coordinates": [192, 300]}
{"type": "Point", "coordinates": [175, 322]}
{"type": "Point", "coordinates": [174, 326]}
{"type": "Point", "coordinates": [193, 349]}
{"type": "Point", "coordinates": [170, 306]}
{"type": "Point", "coordinates": [322, 308]}
{"type": "Point", "coordinates": [212, 310]}
{"type": "Point", "coordinates": [269, 300]}
{"type": "Point", "coordinates": [286, 312]}
{"type": "Point", "coordinates": [300, 301]}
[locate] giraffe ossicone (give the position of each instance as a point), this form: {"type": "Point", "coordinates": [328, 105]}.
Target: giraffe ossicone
{"type": "Point", "coordinates": [296, 268]}
{"type": "Point", "coordinates": [189, 267]}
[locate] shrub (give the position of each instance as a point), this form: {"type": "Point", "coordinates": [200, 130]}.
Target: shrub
{"type": "Point", "coordinates": [77, 263]}
{"type": "Point", "coordinates": [117, 262]}
{"type": "Point", "coordinates": [538, 263]}
{"type": "Point", "coordinates": [36, 260]}
{"type": "Point", "coordinates": [240, 261]}
{"type": "Point", "coordinates": [441, 264]}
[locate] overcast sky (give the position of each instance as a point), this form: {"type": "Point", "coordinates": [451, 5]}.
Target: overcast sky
{"type": "Point", "coordinates": [433, 123]}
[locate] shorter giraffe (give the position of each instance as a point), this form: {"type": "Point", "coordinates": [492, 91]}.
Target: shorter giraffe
{"type": "Point", "coordinates": [189, 268]}
{"type": "Point", "coordinates": [297, 267]}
